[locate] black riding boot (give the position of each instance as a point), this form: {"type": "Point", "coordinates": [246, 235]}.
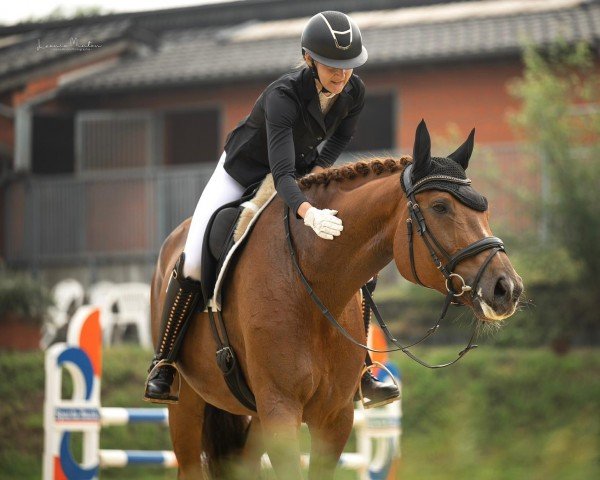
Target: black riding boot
{"type": "Point", "coordinates": [374, 392]}
{"type": "Point", "coordinates": [182, 298]}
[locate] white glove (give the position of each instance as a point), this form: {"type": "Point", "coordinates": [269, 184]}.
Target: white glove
{"type": "Point", "coordinates": [324, 222]}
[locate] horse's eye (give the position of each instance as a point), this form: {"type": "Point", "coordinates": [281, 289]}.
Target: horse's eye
{"type": "Point", "coordinates": [440, 208]}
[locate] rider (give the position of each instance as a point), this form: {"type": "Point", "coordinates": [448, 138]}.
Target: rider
{"type": "Point", "coordinates": [319, 103]}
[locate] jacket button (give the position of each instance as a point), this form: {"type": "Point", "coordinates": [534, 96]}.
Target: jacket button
{"type": "Point", "coordinates": [310, 147]}
{"type": "Point", "coordinates": [319, 138]}
{"type": "Point", "coordinates": [302, 155]}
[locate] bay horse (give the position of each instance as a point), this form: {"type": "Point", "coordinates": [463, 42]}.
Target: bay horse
{"type": "Point", "coordinates": [299, 368]}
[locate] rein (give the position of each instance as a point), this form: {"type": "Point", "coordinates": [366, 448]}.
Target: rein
{"type": "Point", "coordinates": [415, 216]}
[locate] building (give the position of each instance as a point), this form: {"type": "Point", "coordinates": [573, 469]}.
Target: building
{"type": "Point", "coordinates": [111, 125]}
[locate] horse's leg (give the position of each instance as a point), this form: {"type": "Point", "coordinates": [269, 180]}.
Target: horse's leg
{"type": "Point", "coordinates": [328, 439]}
{"type": "Point", "coordinates": [185, 423]}
{"type": "Point", "coordinates": [280, 418]}
{"type": "Point", "coordinates": [253, 450]}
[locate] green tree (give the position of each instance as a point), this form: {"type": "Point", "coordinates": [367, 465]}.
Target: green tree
{"type": "Point", "coordinates": [560, 120]}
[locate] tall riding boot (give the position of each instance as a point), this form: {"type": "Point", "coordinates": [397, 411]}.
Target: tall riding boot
{"type": "Point", "coordinates": [374, 392]}
{"type": "Point", "coordinates": [183, 296]}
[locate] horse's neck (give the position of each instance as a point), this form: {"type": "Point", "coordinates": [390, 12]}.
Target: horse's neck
{"type": "Point", "coordinates": [370, 214]}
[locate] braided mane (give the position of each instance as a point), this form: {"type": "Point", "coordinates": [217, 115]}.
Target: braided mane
{"type": "Point", "coordinates": [361, 168]}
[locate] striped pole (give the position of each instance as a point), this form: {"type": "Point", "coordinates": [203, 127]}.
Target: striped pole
{"type": "Point", "coordinates": [125, 458]}
{"type": "Point", "coordinates": [123, 416]}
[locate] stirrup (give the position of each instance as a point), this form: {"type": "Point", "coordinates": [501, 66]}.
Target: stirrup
{"type": "Point", "coordinates": [172, 399]}
{"type": "Point", "coordinates": [368, 368]}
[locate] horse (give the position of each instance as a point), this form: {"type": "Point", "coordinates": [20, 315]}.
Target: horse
{"type": "Point", "coordinates": [298, 367]}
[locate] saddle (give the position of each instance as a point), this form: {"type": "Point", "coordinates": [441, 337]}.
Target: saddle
{"type": "Point", "coordinates": [226, 233]}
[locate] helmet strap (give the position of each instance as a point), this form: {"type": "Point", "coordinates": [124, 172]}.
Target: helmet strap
{"type": "Point", "coordinates": [315, 75]}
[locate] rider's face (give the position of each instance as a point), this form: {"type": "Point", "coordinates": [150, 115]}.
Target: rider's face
{"type": "Point", "coordinates": [333, 79]}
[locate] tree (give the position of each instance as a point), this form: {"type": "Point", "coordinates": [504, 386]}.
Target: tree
{"type": "Point", "coordinates": [560, 120]}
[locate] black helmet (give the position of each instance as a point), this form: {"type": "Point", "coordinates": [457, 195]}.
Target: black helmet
{"type": "Point", "coordinates": [333, 39]}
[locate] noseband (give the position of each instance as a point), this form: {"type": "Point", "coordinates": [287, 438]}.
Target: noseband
{"type": "Point", "coordinates": [416, 217]}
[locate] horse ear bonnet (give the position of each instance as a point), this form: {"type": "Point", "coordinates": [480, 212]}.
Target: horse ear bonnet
{"type": "Point", "coordinates": [465, 194]}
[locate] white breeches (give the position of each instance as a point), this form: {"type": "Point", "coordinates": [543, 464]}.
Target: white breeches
{"type": "Point", "coordinates": [220, 189]}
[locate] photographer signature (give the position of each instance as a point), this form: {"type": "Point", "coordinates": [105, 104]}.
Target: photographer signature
{"type": "Point", "coordinates": [73, 44]}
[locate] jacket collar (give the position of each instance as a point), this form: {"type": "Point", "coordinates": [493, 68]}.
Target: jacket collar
{"type": "Point", "coordinates": [311, 100]}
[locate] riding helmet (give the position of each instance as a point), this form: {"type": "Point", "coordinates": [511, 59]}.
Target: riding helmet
{"type": "Point", "coordinates": [334, 39]}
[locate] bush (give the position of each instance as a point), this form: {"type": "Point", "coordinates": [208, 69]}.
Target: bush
{"type": "Point", "coordinates": [23, 296]}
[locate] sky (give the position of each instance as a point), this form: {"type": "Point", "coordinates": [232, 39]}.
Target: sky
{"type": "Point", "coordinates": [13, 12]}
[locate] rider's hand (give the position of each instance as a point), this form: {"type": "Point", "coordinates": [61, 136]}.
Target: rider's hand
{"type": "Point", "coordinates": [324, 222]}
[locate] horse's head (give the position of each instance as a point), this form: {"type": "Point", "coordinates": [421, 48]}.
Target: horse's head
{"type": "Point", "coordinates": [452, 244]}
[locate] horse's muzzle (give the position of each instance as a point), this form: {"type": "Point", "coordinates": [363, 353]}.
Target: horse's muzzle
{"type": "Point", "coordinates": [498, 298]}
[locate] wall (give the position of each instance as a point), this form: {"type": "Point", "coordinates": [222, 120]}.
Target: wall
{"type": "Point", "coordinates": [450, 97]}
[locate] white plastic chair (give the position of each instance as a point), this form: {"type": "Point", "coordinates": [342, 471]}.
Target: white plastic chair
{"type": "Point", "coordinates": [133, 305]}
{"type": "Point", "coordinates": [68, 296]}
{"type": "Point", "coordinates": [99, 291]}
{"type": "Point", "coordinates": [103, 295]}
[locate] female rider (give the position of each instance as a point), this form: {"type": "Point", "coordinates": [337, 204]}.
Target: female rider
{"type": "Point", "coordinates": [318, 103]}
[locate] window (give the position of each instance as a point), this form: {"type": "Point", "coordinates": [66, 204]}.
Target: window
{"type": "Point", "coordinates": [112, 140]}
{"type": "Point", "coordinates": [376, 124]}
{"type": "Point", "coordinates": [52, 144]}
{"type": "Point", "coordinates": [192, 136]}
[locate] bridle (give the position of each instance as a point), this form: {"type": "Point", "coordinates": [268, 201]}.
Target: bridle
{"type": "Point", "coordinates": [416, 217]}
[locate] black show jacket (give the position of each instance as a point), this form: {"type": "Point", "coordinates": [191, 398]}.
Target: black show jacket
{"type": "Point", "coordinates": [282, 133]}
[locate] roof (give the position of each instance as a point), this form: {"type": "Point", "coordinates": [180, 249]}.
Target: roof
{"type": "Point", "coordinates": [259, 49]}
{"type": "Point", "coordinates": [392, 37]}
{"type": "Point", "coordinates": [226, 13]}
{"type": "Point", "coordinates": [37, 48]}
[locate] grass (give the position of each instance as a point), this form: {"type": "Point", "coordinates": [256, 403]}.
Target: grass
{"type": "Point", "coordinates": [499, 414]}
{"type": "Point", "coordinates": [503, 414]}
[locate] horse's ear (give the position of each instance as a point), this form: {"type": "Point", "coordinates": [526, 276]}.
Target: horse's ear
{"type": "Point", "coordinates": [463, 153]}
{"type": "Point", "coordinates": [421, 152]}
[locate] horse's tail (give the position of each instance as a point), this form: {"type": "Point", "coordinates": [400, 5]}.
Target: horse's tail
{"type": "Point", "coordinates": [223, 438]}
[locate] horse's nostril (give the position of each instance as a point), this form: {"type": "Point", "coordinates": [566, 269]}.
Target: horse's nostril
{"type": "Point", "coordinates": [518, 290]}
{"type": "Point", "coordinates": [502, 288]}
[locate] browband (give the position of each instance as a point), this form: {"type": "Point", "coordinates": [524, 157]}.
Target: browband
{"type": "Point", "coordinates": [411, 189]}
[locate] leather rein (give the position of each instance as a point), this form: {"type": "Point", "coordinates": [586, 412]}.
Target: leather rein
{"type": "Point", "coordinates": [494, 244]}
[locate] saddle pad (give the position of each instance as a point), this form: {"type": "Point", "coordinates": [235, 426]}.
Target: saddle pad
{"type": "Point", "coordinates": [248, 217]}
{"type": "Point", "coordinates": [252, 207]}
